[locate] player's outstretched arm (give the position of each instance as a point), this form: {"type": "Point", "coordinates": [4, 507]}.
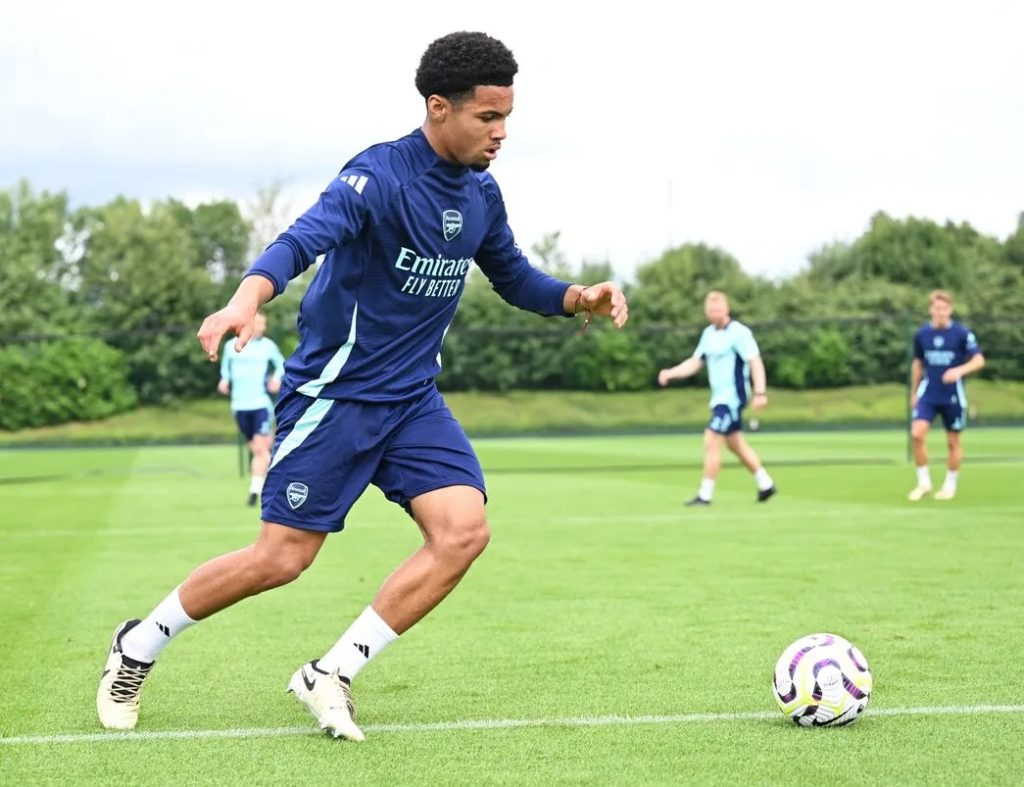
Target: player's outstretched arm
{"type": "Point", "coordinates": [680, 371]}
{"type": "Point", "coordinates": [237, 316]}
{"type": "Point", "coordinates": [605, 299]}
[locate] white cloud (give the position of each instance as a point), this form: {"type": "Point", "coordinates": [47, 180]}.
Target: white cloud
{"type": "Point", "coordinates": [767, 129]}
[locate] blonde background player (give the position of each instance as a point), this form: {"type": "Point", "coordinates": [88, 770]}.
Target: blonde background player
{"type": "Point", "coordinates": [945, 352]}
{"type": "Point", "coordinates": [727, 347]}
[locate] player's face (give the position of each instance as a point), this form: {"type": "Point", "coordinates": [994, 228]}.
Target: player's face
{"type": "Point", "coordinates": [717, 311]}
{"type": "Point", "coordinates": [259, 326]}
{"type": "Point", "coordinates": [940, 312]}
{"type": "Point", "coordinates": [474, 129]}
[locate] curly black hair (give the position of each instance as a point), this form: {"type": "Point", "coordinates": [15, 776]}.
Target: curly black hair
{"type": "Point", "coordinates": [455, 64]}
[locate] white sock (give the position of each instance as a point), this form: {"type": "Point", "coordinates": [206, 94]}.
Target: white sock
{"type": "Point", "coordinates": [951, 479]}
{"type": "Point", "coordinates": [764, 481]}
{"type": "Point", "coordinates": [707, 488]}
{"type": "Point", "coordinates": [363, 640]}
{"type": "Point", "coordinates": [923, 479]}
{"type": "Point", "coordinates": [146, 640]}
{"type": "Point", "coordinates": [256, 484]}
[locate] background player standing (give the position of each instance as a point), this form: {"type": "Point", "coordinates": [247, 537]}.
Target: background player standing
{"type": "Point", "coordinates": [731, 354]}
{"type": "Point", "coordinates": [250, 376]}
{"type": "Point", "coordinates": [401, 226]}
{"type": "Point", "coordinates": [945, 352]}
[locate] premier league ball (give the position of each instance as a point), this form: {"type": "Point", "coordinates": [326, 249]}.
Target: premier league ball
{"type": "Point", "coordinates": [822, 680]}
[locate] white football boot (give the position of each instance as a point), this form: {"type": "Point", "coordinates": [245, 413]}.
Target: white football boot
{"type": "Point", "coordinates": [329, 699]}
{"type": "Point", "coordinates": [946, 493]}
{"type": "Point", "coordinates": [117, 699]}
{"type": "Point", "coordinates": [919, 492]}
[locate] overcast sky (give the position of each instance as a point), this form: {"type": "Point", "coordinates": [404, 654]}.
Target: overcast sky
{"type": "Point", "coordinates": [768, 129]}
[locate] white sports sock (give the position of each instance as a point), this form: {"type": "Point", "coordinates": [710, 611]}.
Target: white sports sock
{"type": "Point", "coordinates": [951, 478]}
{"type": "Point", "coordinates": [764, 481]}
{"type": "Point", "coordinates": [146, 640]}
{"type": "Point", "coordinates": [924, 480]}
{"type": "Point", "coordinates": [707, 488]}
{"type": "Point", "coordinates": [256, 484]}
{"type": "Point", "coordinates": [363, 640]}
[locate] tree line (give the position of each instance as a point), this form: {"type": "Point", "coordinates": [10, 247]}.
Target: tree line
{"type": "Point", "coordinates": [100, 304]}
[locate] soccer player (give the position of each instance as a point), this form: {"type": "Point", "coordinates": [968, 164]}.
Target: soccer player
{"type": "Point", "coordinates": [244, 376]}
{"type": "Point", "coordinates": [401, 225]}
{"type": "Point", "coordinates": [944, 353]}
{"type": "Point", "coordinates": [731, 354]}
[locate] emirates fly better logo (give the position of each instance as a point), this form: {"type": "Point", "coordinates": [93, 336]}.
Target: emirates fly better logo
{"type": "Point", "coordinates": [451, 223]}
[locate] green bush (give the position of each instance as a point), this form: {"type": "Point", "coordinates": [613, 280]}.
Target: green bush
{"type": "Point", "coordinates": [53, 382]}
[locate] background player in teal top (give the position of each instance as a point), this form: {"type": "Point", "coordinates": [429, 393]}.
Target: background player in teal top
{"type": "Point", "coordinates": [250, 376]}
{"type": "Point", "coordinates": [729, 351]}
{"type": "Point", "coordinates": [400, 228]}
{"type": "Point", "coordinates": [945, 352]}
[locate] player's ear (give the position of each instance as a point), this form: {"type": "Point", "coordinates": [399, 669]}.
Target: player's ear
{"type": "Point", "coordinates": [438, 108]}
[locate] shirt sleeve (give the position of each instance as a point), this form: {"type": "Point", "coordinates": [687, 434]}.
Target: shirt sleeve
{"type": "Point", "coordinates": [509, 271]}
{"type": "Point", "coordinates": [918, 348]}
{"type": "Point", "coordinates": [702, 346]}
{"type": "Point", "coordinates": [746, 344]}
{"type": "Point", "coordinates": [971, 347]}
{"type": "Point", "coordinates": [225, 362]}
{"type": "Point", "coordinates": [336, 218]}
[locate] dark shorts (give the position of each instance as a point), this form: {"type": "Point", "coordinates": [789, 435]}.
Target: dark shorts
{"type": "Point", "coordinates": [952, 414]}
{"type": "Point", "coordinates": [328, 451]}
{"type": "Point", "coordinates": [725, 419]}
{"type": "Point", "coordinates": [253, 422]}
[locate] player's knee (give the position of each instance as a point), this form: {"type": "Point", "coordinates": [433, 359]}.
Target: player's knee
{"type": "Point", "coordinates": [281, 567]}
{"type": "Point", "coordinates": [464, 542]}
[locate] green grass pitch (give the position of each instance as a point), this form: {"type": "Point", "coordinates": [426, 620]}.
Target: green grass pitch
{"type": "Point", "coordinates": [607, 635]}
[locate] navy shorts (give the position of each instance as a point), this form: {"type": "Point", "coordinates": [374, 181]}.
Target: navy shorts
{"type": "Point", "coordinates": [253, 422]}
{"type": "Point", "coordinates": [725, 419]}
{"type": "Point", "coordinates": [952, 414]}
{"type": "Point", "coordinates": [328, 451]}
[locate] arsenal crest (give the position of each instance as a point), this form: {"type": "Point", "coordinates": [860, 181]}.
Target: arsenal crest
{"type": "Point", "coordinates": [451, 223]}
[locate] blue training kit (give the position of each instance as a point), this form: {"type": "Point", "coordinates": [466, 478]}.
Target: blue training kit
{"type": "Point", "coordinates": [399, 229]}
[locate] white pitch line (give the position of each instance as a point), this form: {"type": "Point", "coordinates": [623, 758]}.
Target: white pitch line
{"type": "Point", "coordinates": [486, 724]}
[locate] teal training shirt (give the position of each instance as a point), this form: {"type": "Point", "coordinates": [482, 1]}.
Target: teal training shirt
{"type": "Point", "coordinates": [247, 372]}
{"type": "Point", "coordinates": [727, 353]}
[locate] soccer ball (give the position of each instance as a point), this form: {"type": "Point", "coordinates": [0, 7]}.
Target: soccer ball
{"type": "Point", "coordinates": [822, 680]}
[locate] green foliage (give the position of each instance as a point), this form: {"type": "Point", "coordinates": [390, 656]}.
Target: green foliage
{"type": "Point", "coordinates": [144, 277]}
{"type": "Point", "coordinates": [64, 380]}
{"type": "Point", "coordinates": [32, 225]}
{"type": "Point", "coordinates": [154, 275]}
{"type": "Point", "coordinates": [611, 360]}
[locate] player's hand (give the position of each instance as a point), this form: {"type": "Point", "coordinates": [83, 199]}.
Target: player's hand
{"type": "Point", "coordinates": [913, 401]}
{"type": "Point", "coordinates": [759, 401]}
{"type": "Point", "coordinates": [663, 378]}
{"type": "Point", "coordinates": [951, 375]}
{"type": "Point", "coordinates": [606, 299]}
{"type": "Point", "coordinates": [224, 387]}
{"type": "Point", "coordinates": [233, 317]}
{"type": "Point", "coordinates": [273, 385]}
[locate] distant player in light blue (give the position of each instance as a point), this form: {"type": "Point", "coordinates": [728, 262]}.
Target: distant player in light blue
{"type": "Point", "coordinates": [249, 377]}
{"type": "Point", "coordinates": [944, 353]}
{"type": "Point", "coordinates": [728, 349]}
